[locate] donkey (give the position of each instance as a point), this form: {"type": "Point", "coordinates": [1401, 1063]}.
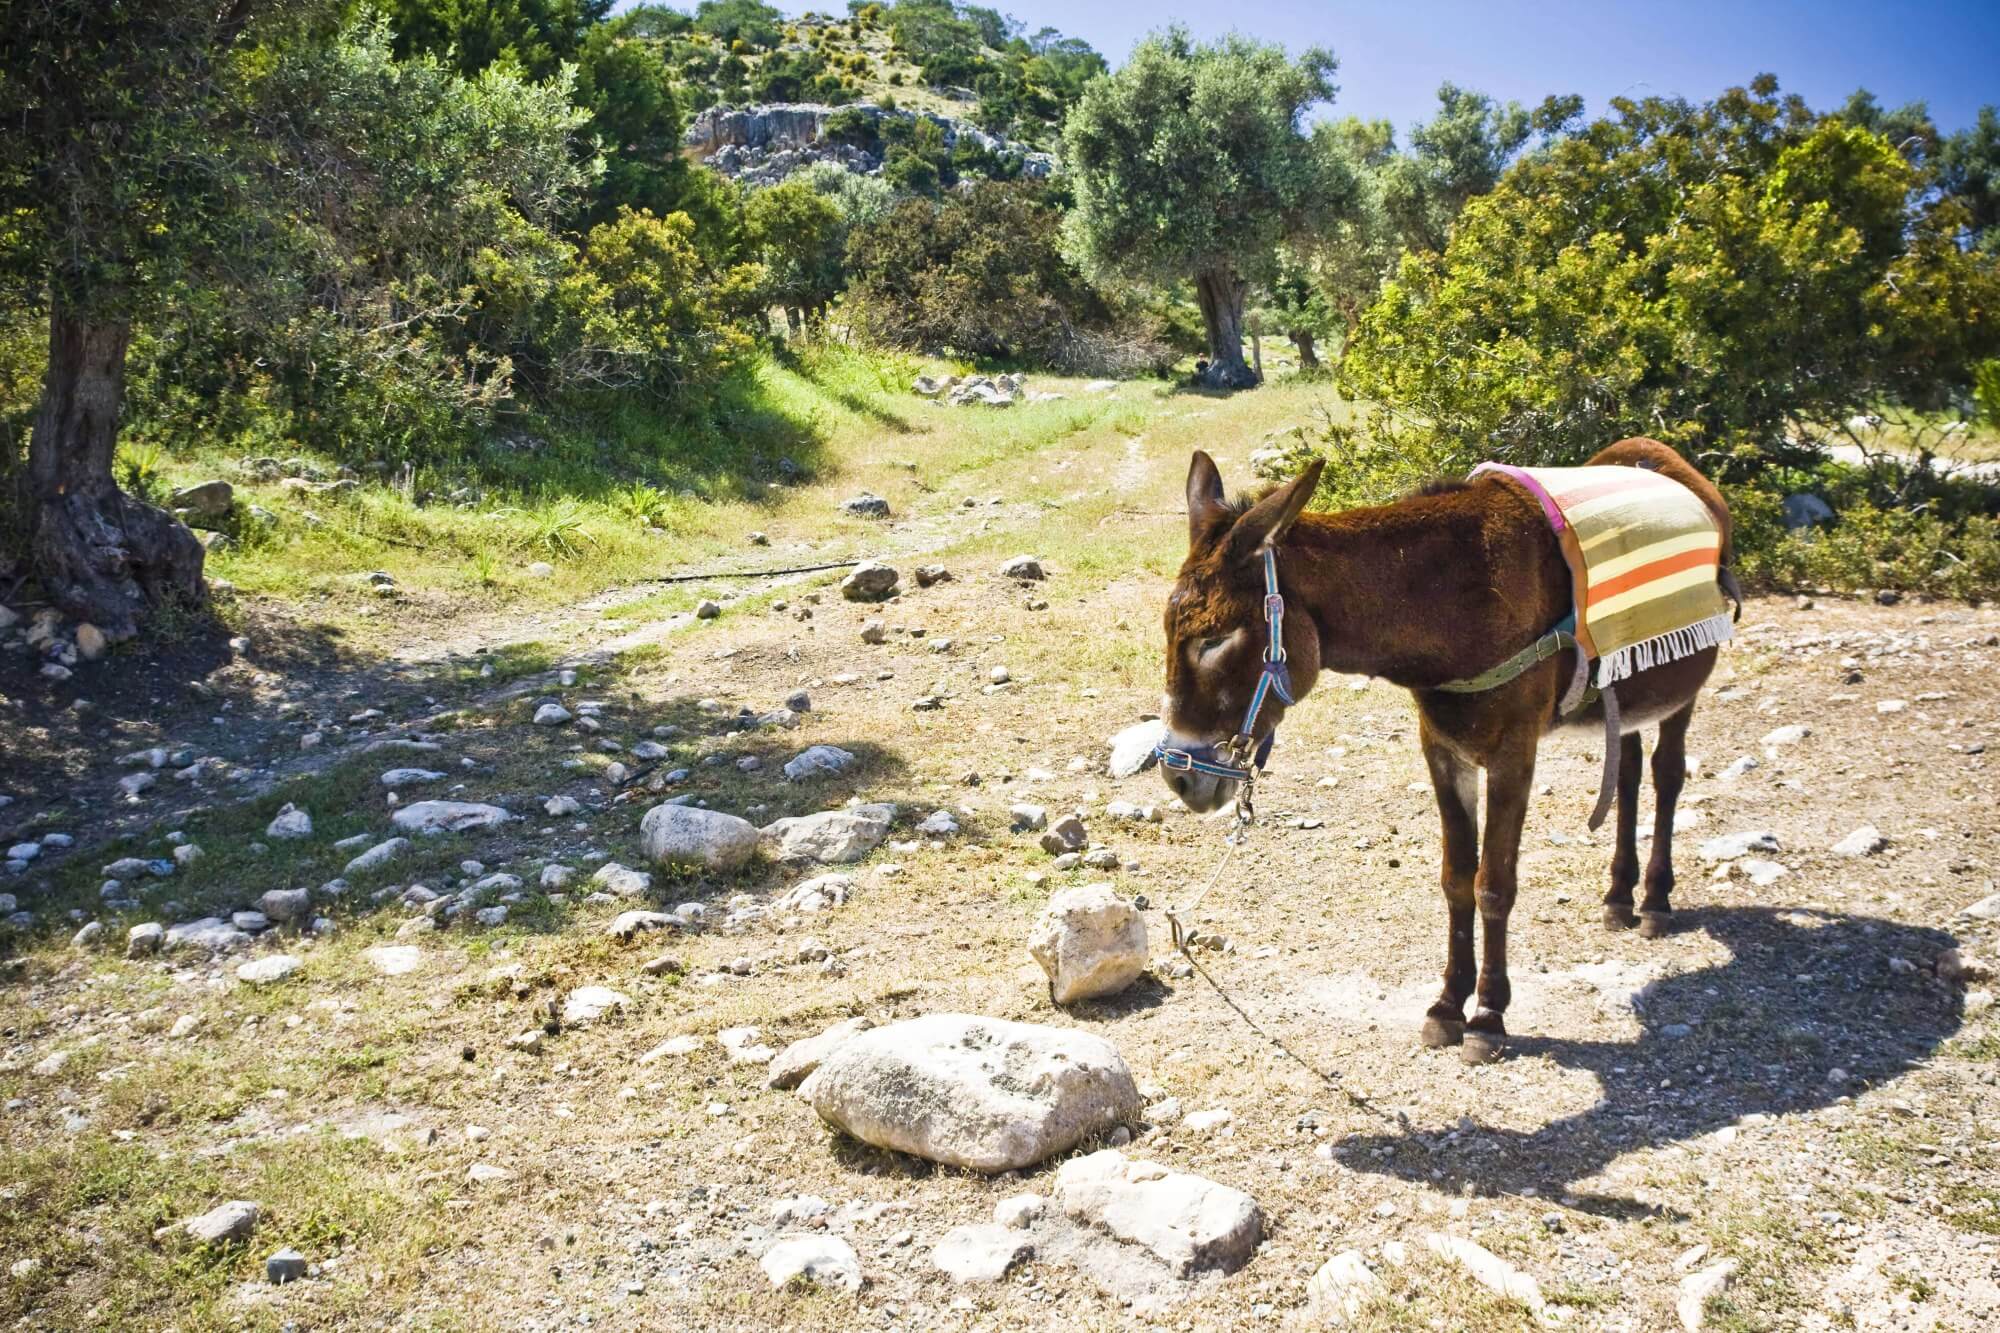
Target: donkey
{"type": "Point", "coordinates": [1435, 588]}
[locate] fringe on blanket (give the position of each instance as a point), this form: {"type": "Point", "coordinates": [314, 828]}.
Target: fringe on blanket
{"type": "Point", "coordinates": [1661, 649]}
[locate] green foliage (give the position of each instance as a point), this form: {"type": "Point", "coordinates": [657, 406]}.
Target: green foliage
{"type": "Point", "coordinates": [1653, 274]}
{"type": "Point", "coordinates": [534, 37]}
{"type": "Point", "coordinates": [798, 235]}
{"type": "Point", "coordinates": [981, 273]}
{"type": "Point", "coordinates": [628, 90]}
{"type": "Point", "coordinates": [1969, 171]}
{"type": "Point", "coordinates": [755, 24]}
{"type": "Point", "coordinates": [1986, 390]}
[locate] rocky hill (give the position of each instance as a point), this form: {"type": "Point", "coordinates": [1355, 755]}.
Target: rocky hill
{"type": "Point", "coordinates": [761, 145]}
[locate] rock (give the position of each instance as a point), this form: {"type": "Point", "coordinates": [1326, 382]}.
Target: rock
{"type": "Point", "coordinates": [1188, 1222]}
{"type": "Point", "coordinates": [1340, 1289]}
{"type": "Point", "coordinates": [683, 835]}
{"type": "Point", "coordinates": [1065, 835]}
{"type": "Point", "coordinates": [1733, 845]}
{"type": "Point", "coordinates": [205, 503]}
{"type": "Point", "coordinates": [1021, 1211]}
{"type": "Point", "coordinates": [1762, 873]}
{"type": "Point", "coordinates": [793, 1065]}
{"type": "Point", "coordinates": [1802, 509]}
{"type": "Point", "coordinates": [939, 824]}
{"type": "Point", "coordinates": [381, 854]}
{"type": "Point", "coordinates": [815, 895]}
{"type": "Point", "coordinates": [588, 1004]}
{"type": "Point", "coordinates": [410, 777]}
{"type": "Point", "coordinates": [224, 1223]}
{"type": "Point", "coordinates": [290, 824]}
{"type": "Point", "coordinates": [672, 1046]}
{"type": "Point", "coordinates": [866, 505]}
{"type": "Point", "coordinates": [1790, 735]}
{"type": "Point", "coordinates": [1700, 1287]}
{"type": "Point", "coordinates": [1986, 909]}
{"type": "Point", "coordinates": [707, 609]}
{"type": "Point", "coordinates": [1956, 967]}
{"type": "Point", "coordinates": [555, 878]}
{"type": "Point", "coordinates": [394, 960]}
{"type": "Point", "coordinates": [628, 924]}
{"type": "Point", "coordinates": [743, 1047]}
{"type": "Point", "coordinates": [832, 837]}
{"type": "Point", "coordinates": [1737, 768]}
{"type": "Point", "coordinates": [134, 785]}
{"type": "Point", "coordinates": [1488, 1269]}
{"type": "Point", "coordinates": [1028, 818]}
{"type": "Point", "coordinates": [91, 932]}
{"type": "Point", "coordinates": [931, 575]}
{"type": "Point", "coordinates": [287, 1265]}
{"type": "Point", "coordinates": [1090, 942]}
{"type": "Point", "coordinates": [1023, 567]}
{"type": "Point", "coordinates": [434, 818]}
{"type": "Point", "coordinates": [818, 761]}
{"type": "Point", "coordinates": [552, 715]}
{"type": "Point", "coordinates": [286, 904]}
{"type": "Point", "coordinates": [541, 569]}
{"type": "Point", "coordinates": [874, 631]}
{"type": "Point", "coordinates": [981, 1252]}
{"type": "Point", "coordinates": [266, 971]}
{"type": "Point", "coordinates": [870, 581]}
{"type": "Point", "coordinates": [1132, 748]}
{"type": "Point", "coordinates": [491, 916]}
{"type": "Point", "coordinates": [819, 1260]}
{"type": "Point", "coordinates": [254, 922]}
{"type": "Point", "coordinates": [144, 939]}
{"type": "Point", "coordinates": [210, 933]}
{"type": "Point", "coordinates": [622, 881]}
{"type": "Point", "coordinates": [980, 1093]}
{"type": "Point", "coordinates": [1864, 841]}
{"type": "Point", "coordinates": [485, 1173]}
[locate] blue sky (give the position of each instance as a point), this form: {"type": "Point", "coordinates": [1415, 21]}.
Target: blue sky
{"type": "Point", "coordinates": [1394, 53]}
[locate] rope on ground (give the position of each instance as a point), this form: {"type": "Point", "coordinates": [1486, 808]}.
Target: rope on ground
{"type": "Point", "coordinates": [750, 573]}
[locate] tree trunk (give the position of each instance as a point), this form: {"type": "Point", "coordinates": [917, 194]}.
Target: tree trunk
{"type": "Point", "coordinates": [1221, 294]}
{"type": "Point", "coordinates": [101, 555]}
{"type": "Point", "coordinates": [1308, 355]}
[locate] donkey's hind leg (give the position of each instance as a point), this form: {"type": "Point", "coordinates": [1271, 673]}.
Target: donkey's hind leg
{"type": "Point", "coordinates": [1457, 785]}
{"type": "Point", "coordinates": [1669, 776]}
{"type": "Point", "coordinates": [1618, 913]}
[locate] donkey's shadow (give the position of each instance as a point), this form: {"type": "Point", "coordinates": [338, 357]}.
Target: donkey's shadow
{"type": "Point", "coordinates": [1800, 1015]}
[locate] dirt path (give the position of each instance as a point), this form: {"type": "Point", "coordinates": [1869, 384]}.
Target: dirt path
{"type": "Point", "coordinates": [1795, 1080]}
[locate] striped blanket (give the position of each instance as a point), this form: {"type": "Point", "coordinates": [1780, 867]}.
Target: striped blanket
{"type": "Point", "coordinates": [1643, 552]}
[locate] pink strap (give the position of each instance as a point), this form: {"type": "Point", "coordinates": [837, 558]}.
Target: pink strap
{"type": "Point", "coordinates": [1532, 486]}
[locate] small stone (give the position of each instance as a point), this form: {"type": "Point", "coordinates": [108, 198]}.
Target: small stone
{"type": "Point", "coordinates": [870, 581]}
{"type": "Point", "coordinates": [224, 1223]}
{"type": "Point", "coordinates": [1090, 942]}
{"type": "Point", "coordinates": [394, 960]}
{"type": "Point", "coordinates": [1188, 1222]}
{"type": "Point", "coordinates": [266, 971]}
{"type": "Point", "coordinates": [378, 856]}
{"type": "Point", "coordinates": [1698, 1289]}
{"type": "Point", "coordinates": [1342, 1286]}
{"type": "Point", "coordinates": [1021, 1211]}
{"type": "Point", "coordinates": [552, 715]}
{"type": "Point", "coordinates": [866, 505]}
{"type": "Point", "coordinates": [1864, 841]}
{"type": "Point", "coordinates": [819, 761]}
{"type": "Point", "coordinates": [981, 1252]}
{"type": "Point", "coordinates": [1023, 567]}
{"type": "Point", "coordinates": [143, 940]}
{"type": "Point", "coordinates": [793, 1065]}
{"type": "Point", "coordinates": [1488, 1269]}
{"type": "Point", "coordinates": [286, 904]}
{"type": "Point", "coordinates": [290, 823]}
{"type": "Point", "coordinates": [287, 1265]}
{"type": "Point", "coordinates": [589, 1004]}
{"type": "Point", "coordinates": [874, 631]}
{"type": "Point", "coordinates": [707, 609]}
{"type": "Point", "coordinates": [410, 777]}
{"type": "Point", "coordinates": [818, 1260]}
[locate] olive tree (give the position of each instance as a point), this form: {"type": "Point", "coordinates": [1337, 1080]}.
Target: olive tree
{"type": "Point", "coordinates": [1193, 162]}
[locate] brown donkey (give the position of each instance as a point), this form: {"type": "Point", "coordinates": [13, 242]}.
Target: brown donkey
{"type": "Point", "coordinates": [1435, 588]}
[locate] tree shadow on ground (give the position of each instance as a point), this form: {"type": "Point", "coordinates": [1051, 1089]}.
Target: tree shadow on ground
{"type": "Point", "coordinates": [1807, 1010]}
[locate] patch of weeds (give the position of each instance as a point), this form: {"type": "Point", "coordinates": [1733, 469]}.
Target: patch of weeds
{"type": "Point", "coordinates": [509, 662]}
{"type": "Point", "coordinates": [1985, 1047]}
{"type": "Point", "coordinates": [1583, 1295]}
{"type": "Point", "coordinates": [1972, 1208]}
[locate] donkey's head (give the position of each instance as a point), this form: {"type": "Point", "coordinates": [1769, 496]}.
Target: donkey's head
{"type": "Point", "coordinates": [1218, 632]}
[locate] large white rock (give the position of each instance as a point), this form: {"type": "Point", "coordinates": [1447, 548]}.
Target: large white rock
{"type": "Point", "coordinates": [818, 761]}
{"type": "Point", "coordinates": [432, 818]}
{"type": "Point", "coordinates": [1090, 942]}
{"type": "Point", "coordinates": [797, 1061]}
{"type": "Point", "coordinates": [1864, 841]}
{"type": "Point", "coordinates": [1189, 1223]}
{"type": "Point", "coordinates": [979, 1093]}
{"type": "Point", "coordinates": [264, 971]}
{"type": "Point", "coordinates": [683, 835]}
{"type": "Point", "coordinates": [210, 932]}
{"type": "Point", "coordinates": [1132, 748]}
{"type": "Point", "coordinates": [225, 1222]}
{"type": "Point", "coordinates": [588, 1004]}
{"type": "Point", "coordinates": [1732, 845]}
{"type": "Point", "coordinates": [833, 837]}
{"type": "Point", "coordinates": [981, 1252]}
{"type": "Point", "coordinates": [410, 777]}
{"type": "Point", "coordinates": [1344, 1284]}
{"type": "Point", "coordinates": [1697, 1289]}
{"type": "Point", "coordinates": [288, 824]}
{"type": "Point", "coordinates": [1488, 1269]}
{"type": "Point", "coordinates": [394, 960]}
{"type": "Point", "coordinates": [818, 1259]}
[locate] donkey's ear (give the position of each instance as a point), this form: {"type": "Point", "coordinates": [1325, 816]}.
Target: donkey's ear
{"type": "Point", "coordinates": [1271, 517]}
{"type": "Point", "coordinates": [1205, 503]}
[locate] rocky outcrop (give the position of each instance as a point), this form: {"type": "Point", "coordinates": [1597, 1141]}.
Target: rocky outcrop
{"type": "Point", "coordinates": [761, 145]}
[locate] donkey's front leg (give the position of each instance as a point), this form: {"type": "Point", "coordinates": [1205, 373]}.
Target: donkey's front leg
{"type": "Point", "coordinates": [1618, 914]}
{"type": "Point", "coordinates": [1509, 778]}
{"type": "Point", "coordinates": [1457, 785]}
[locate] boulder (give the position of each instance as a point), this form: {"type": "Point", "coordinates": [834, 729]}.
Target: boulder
{"type": "Point", "coordinates": [144, 939]}
{"type": "Point", "coordinates": [211, 933]}
{"type": "Point", "coordinates": [204, 504]}
{"type": "Point", "coordinates": [1065, 835]}
{"type": "Point", "coordinates": [980, 1093]}
{"type": "Point", "coordinates": [981, 1252]}
{"type": "Point", "coordinates": [286, 904]}
{"type": "Point", "coordinates": [622, 881]}
{"type": "Point", "coordinates": [289, 824]}
{"type": "Point", "coordinates": [793, 1065]}
{"type": "Point", "coordinates": [870, 581]}
{"type": "Point", "coordinates": [832, 837]}
{"type": "Point", "coordinates": [818, 761]}
{"type": "Point", "coordinates": [1090, 942]}
{"type": "Point", "coordinates": [1132, 748]}
{"type": "Point", "coordinates": [432, 819]}
{"type": "Point", "coordinates": [684, 835]}
{"type": "Point", "coordinates": [1188, 1222]}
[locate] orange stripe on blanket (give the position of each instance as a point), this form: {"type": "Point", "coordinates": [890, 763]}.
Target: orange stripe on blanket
{"type": "Point", "coordinates": [1643, 481]}
{"type": "Point", "coordinates": [1673, 564]}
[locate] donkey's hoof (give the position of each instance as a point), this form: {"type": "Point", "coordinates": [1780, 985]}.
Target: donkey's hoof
{"type": "Point", "coordinates": [1652, 925]}
{"type": "Point", "coordinates": [1482, 1047]}
{"type": "Point", "coordinates": [1443, 1031]}
{"type": "Point", "coordinates": [1618, 916]}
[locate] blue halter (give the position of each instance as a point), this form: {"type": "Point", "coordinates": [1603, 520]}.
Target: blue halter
{"type": "Point", "coordinates": [1242, 757]}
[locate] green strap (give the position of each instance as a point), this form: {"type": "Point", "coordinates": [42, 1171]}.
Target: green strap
{"type": "Point", "coordinates": [1541, 650]}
